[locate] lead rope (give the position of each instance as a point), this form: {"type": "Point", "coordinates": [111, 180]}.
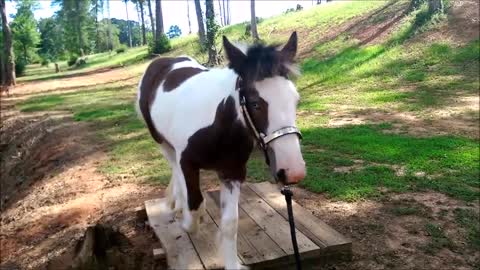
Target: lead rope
{"type": "Point", "coordinates": [288, 198]}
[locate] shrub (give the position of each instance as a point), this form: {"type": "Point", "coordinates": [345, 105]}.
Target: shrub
{"type": "Point", "coordinates": [81, 62]}
{"type": "Point", "coordinates": [72, 60]}
{"type": "Point", "coordinates": [20, 66]}
{"type": "Point", "coordinates": [161, 46]}
{"type": "Point", "coordinates": [45, 62]}
{"type": "Point", "coordinates": [121, 49]}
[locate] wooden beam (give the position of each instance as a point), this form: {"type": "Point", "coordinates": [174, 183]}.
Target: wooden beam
{"type": "Point", "coordinates": [177, 244]}
{"type": "Point", "coordinates": [253, 244]}
{"type": "Point", "coordinates": [318, 231]}
{"type": "Point", "coordinates": [274, 225]}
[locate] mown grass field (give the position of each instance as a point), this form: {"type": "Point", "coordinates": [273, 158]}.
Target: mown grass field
{"type": "Point", "coordinates": [93, 62]}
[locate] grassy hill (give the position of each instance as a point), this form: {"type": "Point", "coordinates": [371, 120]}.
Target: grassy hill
{"type": "Point", "coordinates": [389, 101]}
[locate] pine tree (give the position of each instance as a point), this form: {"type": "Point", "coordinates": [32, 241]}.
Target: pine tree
{"type": "Point", "coordinates": [24, 28]}
{"type": "Point", "coordinates": [128, 24]}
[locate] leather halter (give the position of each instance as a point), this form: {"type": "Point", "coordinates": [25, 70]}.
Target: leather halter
{"type": "Point", "coordinates": [262, 139]}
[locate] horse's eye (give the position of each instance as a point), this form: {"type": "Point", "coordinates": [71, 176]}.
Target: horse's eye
{"type": "Point", "coordinates": [255, 105]}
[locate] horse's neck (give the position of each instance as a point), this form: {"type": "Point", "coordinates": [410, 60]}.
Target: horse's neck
{"type": "Point", "coordinates": [228, 78]}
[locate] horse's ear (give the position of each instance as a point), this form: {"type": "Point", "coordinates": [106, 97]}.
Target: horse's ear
{"type": "Point", "coordinates": [290, 49]}
{"type": "Point", "coordinates": [235, 56]}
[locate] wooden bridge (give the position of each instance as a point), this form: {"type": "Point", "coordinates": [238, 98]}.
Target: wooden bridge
{"type": "Point", "coordinates": [263, 234]}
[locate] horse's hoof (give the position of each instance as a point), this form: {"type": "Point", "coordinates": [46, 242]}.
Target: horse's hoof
{"type": "Point", "coordinates": [189, 227]}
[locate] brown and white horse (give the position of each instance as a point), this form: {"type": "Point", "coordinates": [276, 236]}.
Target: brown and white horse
{"type": "Point", "coordinates": [202, 118]}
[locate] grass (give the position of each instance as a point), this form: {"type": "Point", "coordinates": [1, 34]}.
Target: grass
{"type": "Point", "coordinates": [438, 239]}
{"type": "Point", "coordinates": [408, 208]}
{"type": "Point", "coordinates": [468, 220]}
{"type": "Point", "coordinates": [397, 75]}
{"type": "Point", "coordinates": [94, 61]}
{"type": "Point", "coordinates": [390, 75]}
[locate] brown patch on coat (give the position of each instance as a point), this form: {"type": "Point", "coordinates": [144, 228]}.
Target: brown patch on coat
{"type": "Point", "coordinates": [224, 147]}
{"type": "Point", "coordinates": [178, 76]}
{"type": "Point", "coordinates": [153, 77]}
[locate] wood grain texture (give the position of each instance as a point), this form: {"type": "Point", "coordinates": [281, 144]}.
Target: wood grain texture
{"type": "Point", "coordinates": [315, 229]}
{"type": "Point", "coordinates": [180, 251]}
{"type": "Point", "coordinates": [254, 245]}
{"type": "Point", "coordinates": [273, 223]}
{"type": "Point", "coordinates": [263, 239]}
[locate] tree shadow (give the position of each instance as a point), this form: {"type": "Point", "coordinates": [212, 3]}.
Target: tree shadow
{"type": "Point", "coordinates": [358, 27]}
{"type": "Point", "coordinates": [72, 75]}
{"type": "Point", "coordinates": [446, 158]}
{"type": "Point", "coordinates": [72, 88]}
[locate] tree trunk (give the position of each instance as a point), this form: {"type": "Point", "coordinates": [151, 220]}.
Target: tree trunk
{"type": "Point", "coordinates": [129, 27]}
{"type": "Point", "coordinates": [9, 62]}
{"type": "Point", "coordinates": [109, 27]}
{"type": "Point", "coordinates": [225, 13]}
{"type": "Point", "coordinates": [144, 36]}
{"type": "Point", "coordinates": [201, 27]}
{"type": "Point", "coordinates": [152, 22]}
{"type": "Point", "coordinates": [57, 69]}
{"type": "Point", "coordinates": [253, 21]}
{"type": "Point", "coordinates": [220, 12]}
{"type": "Point", "coordinates": [435, 6]}
{"type": "Point", "coordinates": [211, 32]}
{"type": "Point", "coordinates": [97, 34]}
{"type": "Point", "coordinates": [159, 19]}
{"type": "Point", "coordinates": [188, 17]}
{"type": "Point", "coordinates": [25, 54]}
{"type": "Point", "coordinates": [229, 14]}
{"type": "Point", "coordinates": [2, 68]}
{"type": "Point", "coordinates": [79, 28]}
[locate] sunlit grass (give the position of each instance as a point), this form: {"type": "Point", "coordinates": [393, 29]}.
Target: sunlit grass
{"type": "Point", "coordinates": [93, 62]}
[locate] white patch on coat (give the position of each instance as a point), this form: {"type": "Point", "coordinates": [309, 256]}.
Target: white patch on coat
{"type": "Point", "coordinates": [229, 199]}
{"type": "Point", "coordinates": [191, 63]}
{"type": "Point", "coordinates": [181, 112]}
{"type": "Point", "coordinates": [282, 98]}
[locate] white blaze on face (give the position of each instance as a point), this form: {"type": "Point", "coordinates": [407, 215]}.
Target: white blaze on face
{"type": "Point", "coordinates": [282, 98]}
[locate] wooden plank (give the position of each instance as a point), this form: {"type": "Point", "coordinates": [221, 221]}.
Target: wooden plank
{"type": "Point", "coordinates": [159, 254]}
{"type": "Point", "coordinates": [180, 251]}
{"type": "Point", "coordinates": [205, 243]}
{"type": "Point", "coordinates": [315, 229]}
{"type": "Point", "coordinates": [253, 244]}
{"type": "Point", "coordinates": [273, 223]}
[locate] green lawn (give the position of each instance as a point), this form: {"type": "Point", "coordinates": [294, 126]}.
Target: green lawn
{"type": "Point", "coordinates": [93, 62]}
{"type": "Point", "coordinates": [396, 75]}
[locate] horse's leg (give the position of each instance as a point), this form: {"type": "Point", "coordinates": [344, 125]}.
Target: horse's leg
{"type": "Point", "coordinates": [189, 181]}
{"type": "Point", "coordinates": [172, 191]}
{"type": "Point", "coordinates": [229, 197]}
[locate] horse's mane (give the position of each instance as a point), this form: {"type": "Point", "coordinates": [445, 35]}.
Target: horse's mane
{"type": "Point", "coordinates": [265, 61]}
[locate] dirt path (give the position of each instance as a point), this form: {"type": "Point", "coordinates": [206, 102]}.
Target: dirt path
{"type": "Point", "coordinates": [394, 232]}
{"type": "Point", "coordinates": [51, 186]}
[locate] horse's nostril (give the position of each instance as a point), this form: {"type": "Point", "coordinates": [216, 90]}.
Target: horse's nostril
{"type": "Point", "coordinates": [281, 175]}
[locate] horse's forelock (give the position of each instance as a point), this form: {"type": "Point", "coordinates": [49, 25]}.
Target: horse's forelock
{"type": "Point", "coordinates": [265, 62]}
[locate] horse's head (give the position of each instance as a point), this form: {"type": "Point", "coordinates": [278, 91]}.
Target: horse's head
{"type": "Point", "coordinates": [271, 100]}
